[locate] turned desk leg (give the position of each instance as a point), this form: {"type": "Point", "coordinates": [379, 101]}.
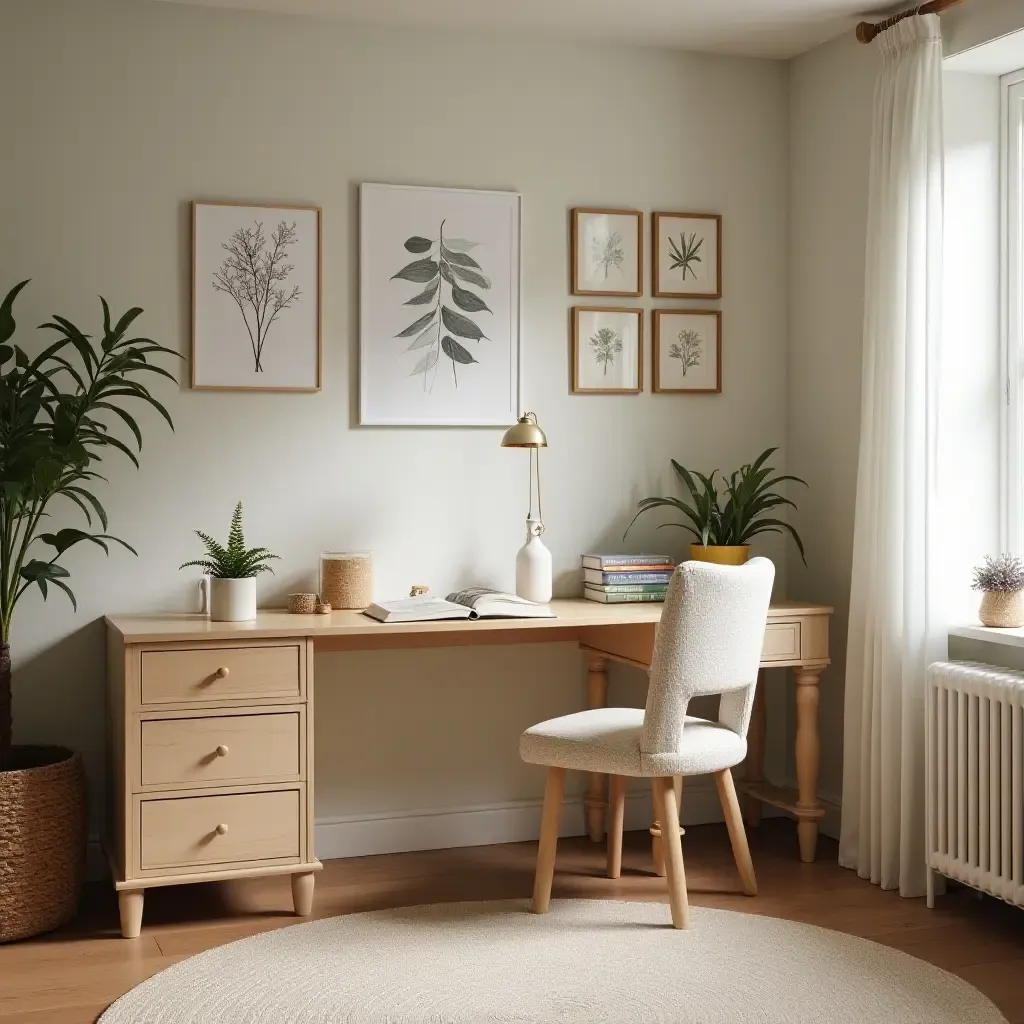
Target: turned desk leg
{"type": "Point", "coordinates": [302, 892]}
{"type": "Point", "coordinates": [808, 754]}
{"type": "Point", "coordinates": [596, 800]}
{"type": "Point", "coordinates": [129, 906]}
{"type": "Point", "coordinates": [754, 770]}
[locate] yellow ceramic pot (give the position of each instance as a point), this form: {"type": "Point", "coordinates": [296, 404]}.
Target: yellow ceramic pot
{"type": "Point", "coordinates": [720, 554]}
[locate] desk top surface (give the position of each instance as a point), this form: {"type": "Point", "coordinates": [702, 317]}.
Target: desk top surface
{"type": "Point", "coordinates": [573, 613]}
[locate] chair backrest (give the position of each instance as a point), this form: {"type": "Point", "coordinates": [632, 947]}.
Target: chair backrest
{"type": "Point", "coordinates": [709, 642]}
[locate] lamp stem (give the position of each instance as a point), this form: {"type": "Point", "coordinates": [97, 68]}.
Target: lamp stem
{"type": "Point", "coordinates": [540, 514]}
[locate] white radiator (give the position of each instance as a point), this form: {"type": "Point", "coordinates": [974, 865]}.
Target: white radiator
{"type": "Point", "coordinates": [975, 768]}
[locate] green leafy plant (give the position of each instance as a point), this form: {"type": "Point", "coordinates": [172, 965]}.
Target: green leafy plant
{"type": "Point", "coordinates": [57, 414]}
{"type": "Point", "coordinates": [736, 514]}
{"type": "Point", "coordinates": [608, 253]}
{"type": "Point", "coordinates": [606, 345]}
{"type": "Point", "coordinates": [686, 350]}
{"type": "Point", "coordinates": [685, 254]}
{"type": "Point", "coordinates": [437, 330]}
{"type": "Point", "coordinates": [1004, 574]}
{"type": "Point", "coordinates": [236, 561]}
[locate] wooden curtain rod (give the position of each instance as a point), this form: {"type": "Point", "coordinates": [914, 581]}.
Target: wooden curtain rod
{"type": "Point", "coordinates": [866, 31]}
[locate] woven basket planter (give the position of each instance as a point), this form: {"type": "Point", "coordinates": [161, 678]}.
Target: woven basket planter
{"type": "Point", "coordinates": [42, 840]}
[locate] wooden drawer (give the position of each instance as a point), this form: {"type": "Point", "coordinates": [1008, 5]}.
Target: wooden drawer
{"type": "Point", "coordinates": [178, 834]}
{"type": "Point", "coordinates": [222, 749]}
{"type": "Point", "coordinates": [781, 642]}
{"type": "Point", "coordinates": [222, 673]}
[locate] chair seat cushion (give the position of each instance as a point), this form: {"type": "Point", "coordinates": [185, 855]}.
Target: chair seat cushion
{"type": "Point", "coordinates": [608, 740]}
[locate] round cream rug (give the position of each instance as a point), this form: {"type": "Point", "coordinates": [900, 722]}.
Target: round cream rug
{"type": "Point", "coordinates": [586, 961]}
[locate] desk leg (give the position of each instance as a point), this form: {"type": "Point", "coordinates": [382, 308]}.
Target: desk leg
{"type": "Point", "coordinates": [754, 771]}
{"type": "Point", "coordinates": [596, 800]}
{"type": "Point", "coordinates": [808, 753]}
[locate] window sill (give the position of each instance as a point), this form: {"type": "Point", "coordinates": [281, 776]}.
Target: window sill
{"type": "Point", "coordinates": [991, 635]}
{"type": "Point", "coordinates": [1003, 648]}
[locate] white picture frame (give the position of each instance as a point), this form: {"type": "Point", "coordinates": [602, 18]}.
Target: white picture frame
{"type": "Point", "coordinates": [687, 351]}
{"type": "Point", "coordinates": [606, 249]}
{"type": "Point", "coordinates": [256, 297]}
{"type": "Point", "coordinates": [687, 261]}
{"type": "Point", "coordinates": [439, 306]}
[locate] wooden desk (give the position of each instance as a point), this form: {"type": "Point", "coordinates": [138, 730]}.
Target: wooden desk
{"type": "Point", "coordinates": [211, 729]}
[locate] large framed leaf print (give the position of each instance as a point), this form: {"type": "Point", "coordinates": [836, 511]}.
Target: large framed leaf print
{"type": "Point", "coordinates": [439, 306]}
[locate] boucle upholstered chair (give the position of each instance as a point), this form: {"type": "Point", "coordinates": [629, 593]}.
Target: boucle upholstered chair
{"type": "Point", "coordinates": [709, 642]}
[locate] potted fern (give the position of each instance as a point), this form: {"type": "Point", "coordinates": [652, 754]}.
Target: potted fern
{"type": "Point", "coordinates": [59, 411]}
{"type": "Point", "coordinates": [232, 570]}
{"type": "Point", "coordinates": [724, 522]}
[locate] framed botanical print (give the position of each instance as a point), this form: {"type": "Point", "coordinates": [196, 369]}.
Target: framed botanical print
{"type": "Point", "coordinates": [687, 350]}
{"type": "Point", "coordinates": [606, 249]}
{"type": "Point", "coordinates": [607, 350]}
{"type": "Point", "coordinates": [438, 306]}
{"type": "Point", "coordinates": [687, 255]}
{"type": "Point", "coordinates": [256, 297]}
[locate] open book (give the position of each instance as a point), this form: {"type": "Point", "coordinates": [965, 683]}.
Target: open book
{"type": "Point", "coordinates": [474, 603]}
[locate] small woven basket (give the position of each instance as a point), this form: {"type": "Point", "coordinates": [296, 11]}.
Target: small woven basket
{"type": "Point", "coordinates": [302, 604]}
{"type": "Point", "coordinates": [42, 840]}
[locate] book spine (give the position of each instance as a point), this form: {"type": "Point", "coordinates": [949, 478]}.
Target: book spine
{"type": "Point", "coordinates": [612, 561]}
{"type": "Point", "coordinates": [639, 567]}
{"type": "Point", "coordinates": [614, 578]}
{"type": "Point", "coordinates": [629, 598]}
{"type": "Point", "coordinates": [632, 588]}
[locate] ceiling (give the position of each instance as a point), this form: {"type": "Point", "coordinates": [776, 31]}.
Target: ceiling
{"type": "Point", "coordinates": [757, 28]}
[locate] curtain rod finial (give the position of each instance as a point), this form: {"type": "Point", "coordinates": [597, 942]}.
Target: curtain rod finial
{"type": "Point", "coordinates": [866, 32]}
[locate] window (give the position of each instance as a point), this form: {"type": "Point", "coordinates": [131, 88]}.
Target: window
{"type": "Point", "coordinates": [1012, 528]}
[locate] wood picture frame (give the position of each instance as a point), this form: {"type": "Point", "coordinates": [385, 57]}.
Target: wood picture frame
{"type": "Point", "coordinates": [626, 360]}
{"type": "Point", "coordinates": [673, 262]}
{"type": "Point", "coordinates": [222, 334]}
{"type": "Point", "coordinates": [599, 253]}
{"type": "Point", "coordinates": [693, 352]}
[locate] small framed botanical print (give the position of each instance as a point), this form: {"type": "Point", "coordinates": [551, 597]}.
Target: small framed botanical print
{"type": "Point", "coordinates": [607, 350]}
{"type": "Point", "coordinates": [607, 252]}
{"type": "Point", "coordinates": [687, 255]}
{"type": "Point", "coordinates": [255, 297]}
{"type": "Point", "coordinates": [687, 350]}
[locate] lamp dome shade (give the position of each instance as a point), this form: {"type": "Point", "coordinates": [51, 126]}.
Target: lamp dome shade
{"type": "Point", "coordinates": [525, 434]}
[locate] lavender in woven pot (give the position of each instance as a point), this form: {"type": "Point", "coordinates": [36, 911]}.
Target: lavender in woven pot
{"type": "Point", "coordinates": [1001, 581]}
{"type": "Point", "coordinates": [63, 408]}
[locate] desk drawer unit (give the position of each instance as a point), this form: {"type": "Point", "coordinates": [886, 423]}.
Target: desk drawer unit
{"type": "Point", "coordinates": [781, 642]}
{"type": "Point", "coordinates": [221, 749]}
{"type": "Point", "coordinates": [211, 764]}
{"type": "Point", "coordinates": [221, 674]}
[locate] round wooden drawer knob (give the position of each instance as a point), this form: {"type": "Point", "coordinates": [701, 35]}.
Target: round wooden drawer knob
{"type": "Point", "coordinates": [222, 751]}
{"type": "Point", "coordinates": [222, 672]}
{"type": "Point", "coordinates": [221, 829]}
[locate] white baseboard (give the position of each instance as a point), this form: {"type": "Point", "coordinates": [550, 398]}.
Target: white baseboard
{"type": "Point", "coordinates": [514, 821]}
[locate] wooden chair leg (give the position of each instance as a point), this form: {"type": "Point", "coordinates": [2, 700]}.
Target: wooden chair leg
{"type": "Point", "coordinates": [616, 816]}
{"type": "Point", "coordinates": [737, 833]}
{"type": "Point", "coordinates": [657, 830]}
{"type": "Point", "coordinates": [668, 813]}
{"type": "Point", "coordinates": [553, 792]}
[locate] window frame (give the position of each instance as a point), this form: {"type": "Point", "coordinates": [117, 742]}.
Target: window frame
{"type": "Point", "coordinates": [1011, 528]}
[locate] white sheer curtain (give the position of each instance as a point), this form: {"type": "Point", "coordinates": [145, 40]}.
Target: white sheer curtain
{"type": "Point", "coordinates": [896, 621]}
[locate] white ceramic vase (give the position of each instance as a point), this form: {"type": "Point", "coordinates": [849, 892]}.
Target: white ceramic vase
{"type": "Point", "coordinates": [533, 566]}
{"type": "Point", "coordinates": [233, 600]}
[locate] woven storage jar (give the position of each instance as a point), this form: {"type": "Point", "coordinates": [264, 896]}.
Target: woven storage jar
{"type": "Point", "coordinates": [42, 840]}
{"type": "Point", "coordinates": [346, 579]}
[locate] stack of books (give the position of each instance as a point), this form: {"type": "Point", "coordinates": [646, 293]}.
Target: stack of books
{"type": "Point", "coordinates": [617, 579]}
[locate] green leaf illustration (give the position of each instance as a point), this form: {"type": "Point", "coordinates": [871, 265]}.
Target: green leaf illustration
{"type": "Point", "coordinates": [419, 271]}
{"type": "Point", "coordinates": [418, 326]}
{"type": "Point", "coordinates": [459, 259]}
{"type": "Point", "coordinates": [455, 351]}
{"type": "Point", "coordinates": [428, 337]}
{"type": "Point", "coordinates": [471, 276]}
{"type": "Point", "coordinates": [418, 243]}
{"type": "Point", "coordinates": [424, 296]}
{"type": "Point", "coordinates": [460, 325]}
{"type": "Point", "coordinates": [468, 301]}
{"type": "Point", "coordinates": [425, 363]}
{"type": "Point", "coordinates": [460, 244]}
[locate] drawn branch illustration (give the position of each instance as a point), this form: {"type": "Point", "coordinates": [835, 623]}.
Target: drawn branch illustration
{"type": "Point", "coordinates": [686, 350]}
{"type": "Point", "coordinates": [606, 345]}
{"type": "Point", "coordinates": [607, 252]}
{"type": "Point", "coordinates": [436, 331]}
{"type": "Point", "coordinates": [254, 273]}
{"type": "Point", "coordinates": [685, 254]}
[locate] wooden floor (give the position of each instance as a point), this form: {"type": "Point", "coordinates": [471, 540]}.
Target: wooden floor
{"type": "Point", "coordinates": [70, 977]}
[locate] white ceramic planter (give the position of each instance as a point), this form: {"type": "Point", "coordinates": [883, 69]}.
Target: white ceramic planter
{"type": "Point", "coordinates": [533, 566]}
{"type": "Point", "coordinates": [233, 600]}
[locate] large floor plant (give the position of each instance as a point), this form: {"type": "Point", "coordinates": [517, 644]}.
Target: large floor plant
{"type": "Point", "coordinates": [58, 414]}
